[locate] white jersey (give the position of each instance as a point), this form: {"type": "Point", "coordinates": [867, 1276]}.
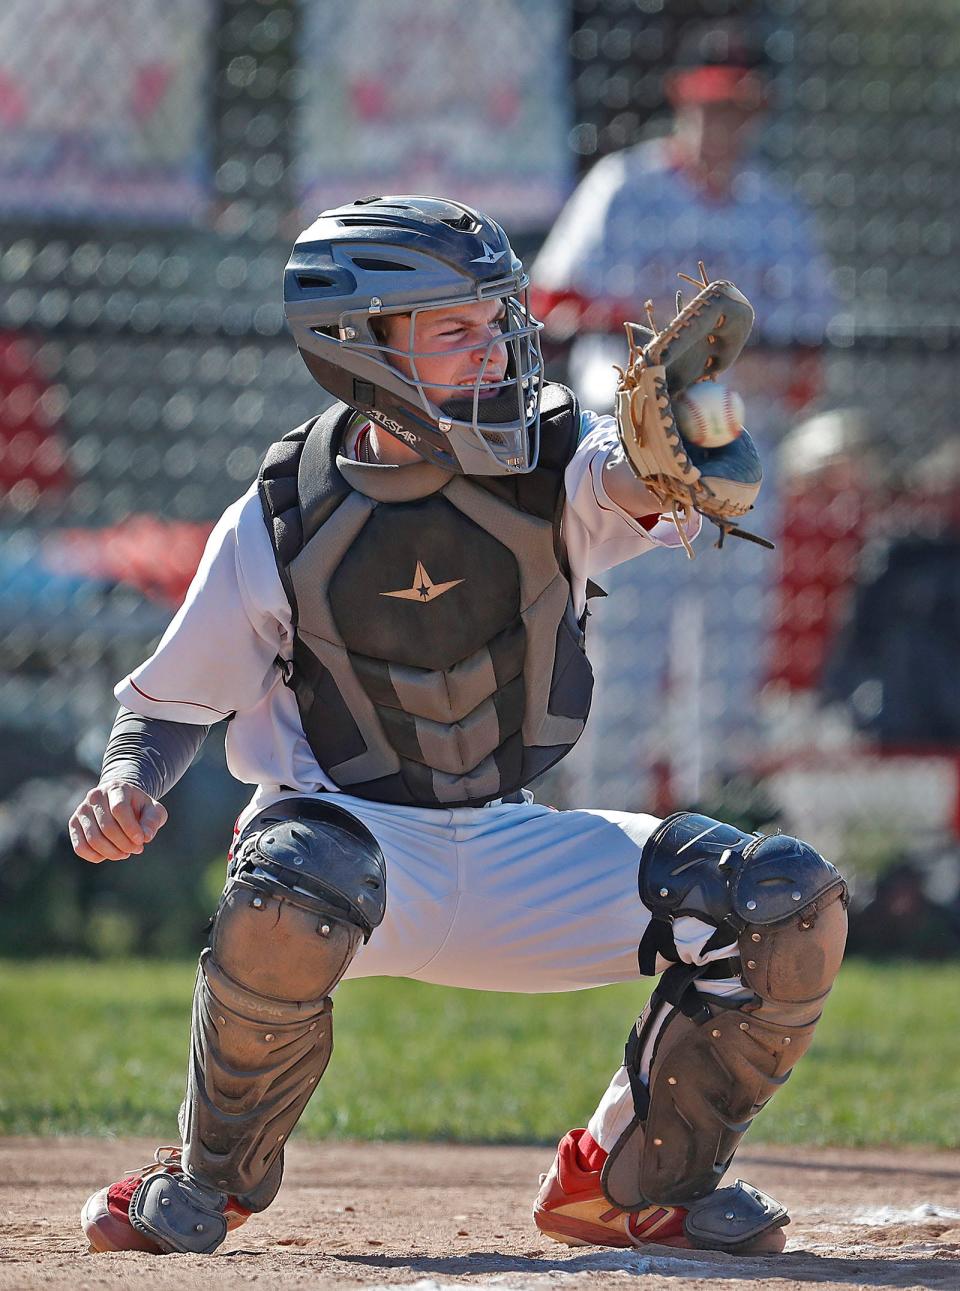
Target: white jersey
{"type": "Point", "coordinates": [636, 218]}
{"type": "Point", "coordinates": [218, 657]}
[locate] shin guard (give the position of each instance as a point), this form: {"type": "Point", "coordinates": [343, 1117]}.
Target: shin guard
{"type": "Point", "coordinates": [307, 884]}
{"type": "Point", "coordinates": [714, 1062]}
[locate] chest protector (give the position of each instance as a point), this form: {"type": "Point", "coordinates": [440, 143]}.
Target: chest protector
{"type": "Point", "coordinates": [437, 659]}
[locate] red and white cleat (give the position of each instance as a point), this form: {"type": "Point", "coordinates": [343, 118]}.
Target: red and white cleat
{"type": "Point", "coordinates": [571, 1208]}
{"type": "Point", "coordinates": [105, 1217]}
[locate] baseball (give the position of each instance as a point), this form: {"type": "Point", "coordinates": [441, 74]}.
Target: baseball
{"type": "Point", "coordinates": [709, 415]}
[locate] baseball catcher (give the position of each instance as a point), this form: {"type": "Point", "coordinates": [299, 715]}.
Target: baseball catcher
{"type": "Point", "coordinates": [393, 618]}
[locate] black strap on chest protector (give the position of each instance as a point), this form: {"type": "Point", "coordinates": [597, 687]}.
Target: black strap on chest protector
{"type": "Point", "coordinates": [300, 487]}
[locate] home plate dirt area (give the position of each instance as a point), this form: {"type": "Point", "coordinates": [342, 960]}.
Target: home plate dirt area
{"type": "Point", "coordinates": [433, 1216]}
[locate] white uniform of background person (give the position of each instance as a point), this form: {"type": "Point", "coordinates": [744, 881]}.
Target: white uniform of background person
{"type": "Point", "coordinates": [507, 897]}
{"type": "Point", "coordinates": [635, 220]}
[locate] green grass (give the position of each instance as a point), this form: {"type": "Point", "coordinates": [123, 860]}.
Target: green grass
{"type": "Point", "coordinates": [98, 1048]}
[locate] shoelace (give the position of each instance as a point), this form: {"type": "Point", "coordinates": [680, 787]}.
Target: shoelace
{"type": "Point", "coordinates": [163, 1158]}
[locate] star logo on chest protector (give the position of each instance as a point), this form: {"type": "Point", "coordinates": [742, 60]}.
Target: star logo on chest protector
{"type": "Point", "coordinates": [424, 588]}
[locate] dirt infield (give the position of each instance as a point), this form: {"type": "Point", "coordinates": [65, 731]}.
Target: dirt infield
{"type": "Point", "coordinates": [432, 1216]}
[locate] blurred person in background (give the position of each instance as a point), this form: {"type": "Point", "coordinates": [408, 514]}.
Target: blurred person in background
{"type": "Point", "coordinates": [392, 620]}
{"type": "Point", "coordinates": [700, 192]}
{"type": "Point", "coordinates": [640, 215]}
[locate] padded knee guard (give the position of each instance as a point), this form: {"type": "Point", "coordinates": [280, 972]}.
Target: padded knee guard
{"type": "Point", "coordinates": [713, 1062]}
{"type": "Point", "coordinates": [306, 884]}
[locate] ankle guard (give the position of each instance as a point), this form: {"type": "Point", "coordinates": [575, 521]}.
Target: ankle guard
{"type": "Point", "coordinates": [732, 1217]}
{"type": "Point", "coordinates": [178, 1214]}
{"type": "Point", "coordinates": [714, 1062]}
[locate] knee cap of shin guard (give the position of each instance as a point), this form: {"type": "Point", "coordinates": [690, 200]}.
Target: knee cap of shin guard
{"type": "Point", "coordinates": [695, 865]}
{"type": "Point", "coordinates": [790, 905]}
{"type": "Point", "coordinates": [321, 854]}
{"type": "Point", "coordinates": [778, 877]}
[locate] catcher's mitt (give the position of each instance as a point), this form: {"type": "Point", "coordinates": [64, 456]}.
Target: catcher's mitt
{"type": "Point", "coordinates": [706, 337]}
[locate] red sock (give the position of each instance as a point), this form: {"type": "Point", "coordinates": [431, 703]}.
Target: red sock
{"type": "Point", "coordinates": [590, 1155]}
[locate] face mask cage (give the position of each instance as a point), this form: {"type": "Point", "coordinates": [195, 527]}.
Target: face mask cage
{"type": "Point", "coordinates": [499, 409]}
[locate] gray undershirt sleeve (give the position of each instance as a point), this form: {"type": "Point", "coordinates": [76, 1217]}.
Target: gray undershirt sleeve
{"type": "Point", "coordinates": [149, 752]}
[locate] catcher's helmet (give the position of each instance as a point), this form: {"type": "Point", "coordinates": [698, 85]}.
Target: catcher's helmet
{"type": "Point", "coordinates": [405, 255]}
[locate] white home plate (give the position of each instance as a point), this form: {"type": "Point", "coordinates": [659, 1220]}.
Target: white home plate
{"type": "Point", "coordinates": [878, 1216]}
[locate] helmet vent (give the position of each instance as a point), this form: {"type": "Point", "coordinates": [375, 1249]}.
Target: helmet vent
{"type": "Point", "coordinates": [314, 280]}
{"type": "Point", "coordinates": [464, 223]}
{"type": "Point", "coordinates": [370, 221]}
{"type": "Point", "coordinates": [367, 262]}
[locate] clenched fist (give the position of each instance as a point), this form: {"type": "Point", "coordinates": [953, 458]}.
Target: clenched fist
{"type": "Point", "coordinates": [114, 821]}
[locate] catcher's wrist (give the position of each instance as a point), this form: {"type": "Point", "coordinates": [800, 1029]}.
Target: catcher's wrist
{"type": "Point", "coordinates": [628, 490]}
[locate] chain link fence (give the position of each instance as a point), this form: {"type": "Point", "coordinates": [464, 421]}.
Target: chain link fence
{"type": "Point", "coordinates": [156, 162]}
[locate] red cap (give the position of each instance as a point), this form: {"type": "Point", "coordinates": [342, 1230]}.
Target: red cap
{"type": "Point", "coordinates": [717, 83]}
